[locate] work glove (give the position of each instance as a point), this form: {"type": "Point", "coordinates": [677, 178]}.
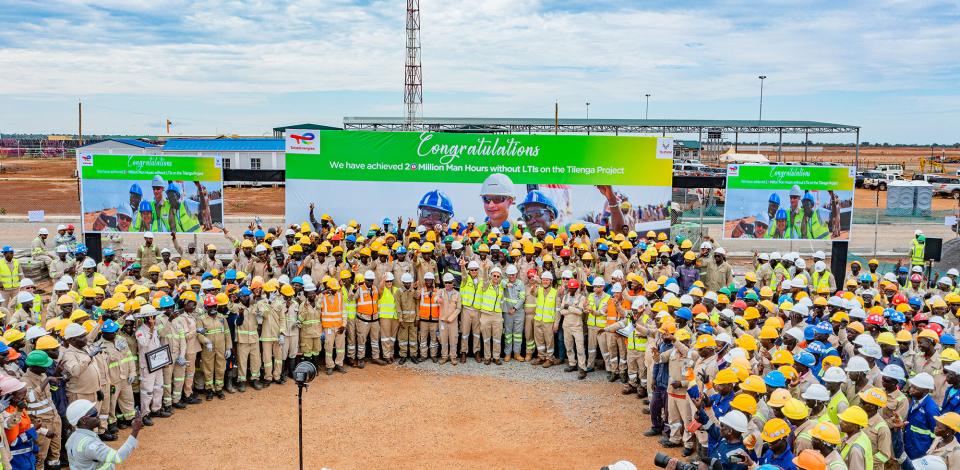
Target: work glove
{"type": "Point", "coordinates": [201, 330]}
{"type": "Point", "coordinates": [94, 350]}
{"type": "Point", "coordinates": [131, 379]}
{"type": "Point", "coordinates": [228, 354]}
{"type": "Point", "coordinates": [209, 347]}
{"type": "Point", "coordinates": [281, 340]}
{"type": "Point", "coordinates": [181, 361]}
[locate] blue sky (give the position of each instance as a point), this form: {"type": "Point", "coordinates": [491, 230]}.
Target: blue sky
{"type": "Point", "coordinates": [244, 67]}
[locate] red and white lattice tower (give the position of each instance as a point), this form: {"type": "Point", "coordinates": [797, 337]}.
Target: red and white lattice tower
{"type": "Point", "coordinates": [413, 73]}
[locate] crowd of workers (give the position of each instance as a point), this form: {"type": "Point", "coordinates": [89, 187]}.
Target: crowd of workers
{"type": "Point", "coordinates": [785, 368]}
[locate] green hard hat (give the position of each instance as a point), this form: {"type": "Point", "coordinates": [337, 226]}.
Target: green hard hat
{"type": "Point", "coordinates": [39, 358]}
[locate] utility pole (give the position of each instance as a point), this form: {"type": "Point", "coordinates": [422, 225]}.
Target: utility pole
{"type": "Point", "coordinates": [588, 109]}
{"type": "Point", "coordinates": [556, 117]}
{"type": "Point", "coordinates": [760, 118]}
{"type": "Point", "coordinates": [413, 73]}
{"type": "Point", "coordinates": [646, 114]}
{"type": "Point", "coordinates": [168, 126]}
{"type": "Point", "coordinates": [80, 122]}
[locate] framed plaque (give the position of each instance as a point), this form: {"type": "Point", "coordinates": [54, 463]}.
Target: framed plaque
{"type": "Point", "coordinates": [158, 358]}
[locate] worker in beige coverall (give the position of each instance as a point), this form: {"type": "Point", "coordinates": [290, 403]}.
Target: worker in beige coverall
{"type": "Point", "coordinates": [450, 307]}
{"type": "Point", "coordinates": [217, 347]}
{"type": "Point", "coordinates": [572, 307]}
{"type": "Point", "coordinates": [407, 306]}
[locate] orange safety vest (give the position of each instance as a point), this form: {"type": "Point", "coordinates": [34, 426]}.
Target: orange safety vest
{"type": "Point", "coordinates": [429, 306]}
{"type": "Point", "coordinates": [367, 302]}
{"type": "Point", "coordinates": [612, 315]}
{"type": "Point", "coordinates": [332, 316]}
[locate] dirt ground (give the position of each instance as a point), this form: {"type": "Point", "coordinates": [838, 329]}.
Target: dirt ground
{"type": "Point", "coordinates": [408, 417]}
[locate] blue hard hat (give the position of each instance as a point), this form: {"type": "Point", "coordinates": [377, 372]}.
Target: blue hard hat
{"type": "Point", "coordinates": [705, 329]}
{"type": "Point", "coordinates": [109, 326]}
{"type": "Point", "coordinates": [296, 280]}
{"type": "Point", "coordinates": [81, 248]}
{"type": "Point", "coordinates": [3, 348]}
{"type": "Point", "coordinates": [206, 275]}
{"type": "Point", "coordinates": [808, 197]}
{"type": "Point", "coordinates": [108, 252]}
{"type": "Point", "coordinates": [823, 328]}
{"type": "Point", "coordinates": [537, 197]}
{"type": "Point", "coordinates": [7, 249]}
{"type": "Point", "coordinates": [603, 247]}
{"type": "Point", "coordinates": [774, 198]}
{"type": "Point", "coordinates": [898, 317]}
{"type": "Point", "coordinates": [866, 278]}
{"type": "Point", "coordinates": [805, 358]}
{"type": "Point", "coordinates": [248, 233]}
{"type": "Point", "coordinates": [401, 250]}
{"type": "Point", "coordinates": [887, 312]}
{"type": "Point", "coordinates": [165, 302]}
{"type": "Point", "coordinates": [230, 275]}
{"type": "Point", "coordinates": [386, 221]}
{"type": "Point", "coordinates": [135, 189]}
{"type": "Point", "coordinates": [505, 239]}
{"type": "Point", "coordinates": [245, 291]}
{"type": "Point", "coordinates": [808, 333]}
{"type": "Point", "coordinates": [915, 302]}
{"type": "Point", "coordinates": [781, 214]}
{"type": "Point", "coordinates": [438, 200]}
{"type": "Point", "coordinates": [173, 187]}
{"type": "Point", "coordinates": [351, 238]}
{"type": "Point", "coordinates": [670, 280]}
{"type": "Point", "coordinates": [144, 207]}
{"type": "Point", "coordinates": [768, 467]}
{"type": "Point", "coordinates": [817, 348]}
{"type": "Point", "coordinates": [259, 233]}
{"type": "Point", "coordinates": [903, 270]}
{"type": "Point", "coordinates": [948, 340]}
{"type": "Point", "coordinates": [775, 379]}
{"type": "Point", "coordinates": [684, 313]}
{"type": "Point", "coordinates": [642, 246]}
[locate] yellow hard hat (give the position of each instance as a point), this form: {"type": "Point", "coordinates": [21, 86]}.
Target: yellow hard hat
{"type": "Point", "coordinates": [754, 383]}
{"type": "Point", "coordinates": [12, 335]}
{"type": "Point", "coordinates": [154, 269]}
{"type": "Point", "coordinates": [949, 355]}
{"type": "Point", "coordinates": [88, 292]}
{"type": "Point", "coordinates": [427, 247]}
{"type": "Point", "coordinates": [855, 415]}
{"type": "Point", "coordinates": [750, 276]}
{"type": "Point", "coordinates": [689, 256]}
{"type": "Point", "coordinates": [751, 313]}
{"type": "Point", "coordinates": [674, 302]}
{"type": "Point", "coordinates": [705, 341]}
{"type": "Point", "coordinates": [64, 300]}
{"type": "Point", "coordinates": [286, 290]}
{"type": "Point", "coordinates": [747, 342]}
{"type": "Point", "coordinates": [769, 332]}
{"type": "Point", "coordinates": [184, 263]}
{"type": "Point", "coordinates": [89, 325]}
{"type": "Point", "coordinates": [725, 376]}
{"type": "Point", "coordinates": [887, 338]}
{"type": "Point", "coordinates": [109, 304]}
{"type": "Point", "coordinates": [626, 245]}
{"type": "Point", "coordinates": [856, 326]}
{"type": "Point", "coordinates": [788, 371]}
{"type": "Point", "coordinates": [222, 299]}
{"type": "Point", "coordinates": [682, 335]}
{"type": "Point", "coordinates": [365, 251]}
{"type": "Point", "coordinates": [686, 244]}
{"type": "Point", "coordinates": [796, 409]}
{"type": "Point", "coordinates": [744, 403]}
{"type": "Point", "coordinates": [270, 286]}
{"type": "Point", "coordinates": [903, 336]}
{"type": "Point", "coordinates": [950, 420]}
{"type": "Point", "coordinates": [298, 249]}
{"type": "Point", "coordinates": [78, 315]}
{"type": "Point", "coordinates": [782, 357]}
{"type": "Point", "coordinates": [547, 258]}
{"type": "Point", "coordinates": [929, 334]}
{"type": "Point", "coordinates": [587, 256]}
{"type": "Point", "coordinates": [826, 432]}
{"type": "Point", "coordinates": [874, 396]}
{"type": "Point", "coordinates": [775, 429]}
{"type": "Point", "coordinates": [188, 296]}
{"type": "Point", "coordinates": [779, 397]}
{"type": "Point", "coordinates": [47, 342]}
{"type": "Point", "coordinates": [168, 275]}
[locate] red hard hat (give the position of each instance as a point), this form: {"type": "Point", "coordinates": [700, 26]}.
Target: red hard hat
{"type": "Point", "coordinates": [210, 300]}
{"type": "Point", "coordinates": [875, 320]}
{"type": "Point", "coordinates": [564, 252]}
{"type": "Point", "coordinates": [899, 299]}
{"type": "Point", "coordinates": [70, 227]}
{"type": "Point", "coordinates": [573, 284]}
{"type": "Point", "coordinates": [935, 327]}
{"type": "Point", "coordinates": [921, 317]}
{"type": "Point", "coordinates": [915, 277]}
{"type": "Point", "coordinates": [739, 303]}
{"type": "Point", "coordinates": [532, 272]}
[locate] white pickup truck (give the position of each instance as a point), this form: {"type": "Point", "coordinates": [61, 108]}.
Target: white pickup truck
{"type": "Point", "coordinates": [877, 180]}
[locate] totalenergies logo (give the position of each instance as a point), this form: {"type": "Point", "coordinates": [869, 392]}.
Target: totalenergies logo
{"type": "Point", "coordinates": [306, 139]}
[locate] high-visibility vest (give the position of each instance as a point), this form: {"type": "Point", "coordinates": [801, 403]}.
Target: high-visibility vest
{"type": "Point", "coordinates": [10, 276]}
{"type": "Point", "coordinates": [429, 309]}
{"type": "Point", "coordinates": [815, 228]}
{"type": "Point", "coordinates": [636, 341]}
{"type": "Point", "coordinates": [834, 405]}
{"type": "Point", "coordinates": [546, 305]}
{"type": "Point", "coordinates": [350, 306]}
{"type": "Point", "coordinates": [821, 280]}
{"type": "Point", "coordinates": [916, 252]}
{"type": "Point", "coordinates": [367, 302]}
{"type": "Point", "coordinates": [864, 442]}
{"type": "Point", "coordinates": [468, 288]}
{"type": "Point", "coordinates": [490, 297]}
{"type": "Point", "coordinates": [613, 315]}
{"type": "Point", "coordinates": [386, 304]}
{"type": "Point", "coordinates": [597, 303]}
{"type": "Point", "coordinates": [183, 222]}
{"type": "Point", "coordinates": [332, 315]}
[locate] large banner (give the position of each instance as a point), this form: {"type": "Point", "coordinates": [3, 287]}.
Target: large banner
{"type": "Point", "coordinates": [150, 193]}
{"type": "Point", "coordinates": [498, 180]}
{"type": "Point", "coordinates": [774, 202]}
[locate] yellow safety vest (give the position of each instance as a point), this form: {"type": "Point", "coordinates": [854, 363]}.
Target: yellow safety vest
{"type": "Point", "coordinates": [491, 298]}
{"type": "Point", "coordinates": [596, 303]}
{"type": "Point", "coordinates": [834, 405]}
{"type": "Point", "coordinates": [864, 442]}
{"type": "Point", "coordinates": [10, 277]}
{"type": "Point", "coordinates": [546, 305]}
{"type": "Point", "coordinates": [636, 342]}
{"type": "Point", "coordinates": [821, 279]}
{"type": "Point", "coordinates": [916, 253]}
{"type": "Point", "coordinates": [815, 229]}
{"type": "Point", "coordinates": [468, 288]}
{"type": "Point", "coordinates": [350, 306]}
{"type": "Point", "coordinates": [386, 305]}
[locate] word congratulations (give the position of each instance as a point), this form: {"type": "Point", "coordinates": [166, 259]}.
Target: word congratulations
{"type": "Point", "coordinates": [139, 163]}
{"type": "Point", "coordinates": [484, 147]}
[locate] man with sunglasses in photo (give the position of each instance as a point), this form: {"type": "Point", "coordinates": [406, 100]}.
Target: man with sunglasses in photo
{"type": "Point", "coordinates": [496, 194]}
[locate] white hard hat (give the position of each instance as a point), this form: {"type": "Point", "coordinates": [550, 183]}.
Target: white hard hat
{"type": "Point", "coordinates": [456, 245]}
{"type": "Point", "coordinates": [795, 332]}
{"type": "Point", "coordinates": [929, 462]}
{"type": "Point", "coordinates": [736, 420]}
{"type": "Point", "coordinates": [720, 251]}
{"type": "Point", "coordinates": [61, 227]}
{"type": "Point", "coordinates": [801, 264]}
{"type": "Point", "coordinates": [890, 277]}
{"type": "Point", "coordinates": [728, 314]}
{"type": "Point", "coordinates": [706, 245]}
{"type": "Point", "coordinates": [724, 338]}
{"type": "Point", "coordinates": [74, 330]}
{"type": "Point", "coordinates": [819, 254]}
{"type": "Point", "coordinates": [473, 265]}
{"type": "Point", "coordinates": [710, 295]}
{"type": "Point", "coordinates": [421, 228]}
{"type": "Point", "coordinates": [786, 285]}
{"type": "Point", "coordinates": [79, 408]}
{"type": "Point", "coordinates": [388, 277]}
{"type": "Point", "coordinates": [289, 232]}
{"type": "Point", "coordinates": [147, 234]}
{"type": "Point", "coordinates": [67, 279]}
{"type": "Point", "coordinates": [497, 270]}
{"type": "Point", "coordinates": [309, 287]}
{"type": "Point", "coordinates": [26, 282]}
{"type": "Point", "coordinates": [923, 380]}
{"type": "Point", "coordinates": [43, 231]}
{"type": "Point", "coordinates": [406, 277]}
{"type": "Point", "coordinates": [471, 220]}
{"type": "Point", "coordinates": [795, 191]}
{"type": "Point", "coordinates": [953, 272]}
{"type": "Point", "coordinates": [639, 302]}
{"type": "Point", "coordinates": [799, 281]}
{"type": "Point", "coordinates": [62, 249]}
{"type": "Point", "coordinates": [952, 367]}
{"type": "Point", "coordinates": [23, 297]}
{"type": "Point", "coordinates": [764, 256]}
{"type": "Point", "coordinates": [35, 332]}
{"type": "Point", "coordinates": [369, 275]}
{"type": "Point", "coordinates": [835, 375]}
{"type": "Point", "coordinates": [566, 274]}
{"type": "Point", "coordinates": [276, 243]}
{"type": "Point", "coordinates": [945, 280]}
{"type": "Point", "coordinates": [858, 313]}
{"type": "Point", "coordinates": [511, 270]}
{"type": "Point", "coordinates": [546, 275]}
{"type": "Point", "coordinates": [864, 339]}
{"type": "Point", "coordinates": [598, 282]}
{"type": "Point", "coordinates": [616, 288]}
{"type": "Point", "coordinates": [816, 392]}
{"type": "Point", "coordinates": [917, 232]}
{"type": "Point", "coordinates": [672, 288]}
{"type": "Point", "coordinates": [686, 299]}
{"type": "Point", "coordinates": [89, 263]}
{"type": "Point", "coordinates": [871, 351]}
{"type": "Point", "coordinates": [917, 269]}
{"type": "Point", "coordinates": [447, 277]}
{"type": "Point", "coordinates": [896, 372]}
{"type": "Point", "coordinates": [307, 279]}
{"type": "Point", "coordinates": [622, 465]}
{"type": "Point", "coordinates": [819, 266]}
{"type": "Point", "coordinates": [616, 274]}
{"type": "Point", "coordinates": [857, 364]}
{"type": "Point", "coordinates": [283, 279]}
{"type": "Point", "coordinates": [260, 249]}
{"type": "Point", "coordinates": [61, 286]}
{"type": "Point", "coordinates": [429, 276]}
{"type": "Point", "coordinates": [775, 256]}
{"type": "Point", "coordinates": [800, 308]}
{"type": "Point", "coordinates": [497, 184]}
{"type": "Point", "coordinates": [206, 284]}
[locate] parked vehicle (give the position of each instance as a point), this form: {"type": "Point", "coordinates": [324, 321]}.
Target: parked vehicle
{"type": "Point", "coordinates": [945, 186]}
{"type": "Point", "coordinates": [890, 169]}
{"type": "Point", "coordinates": [858, 181]}
{"type": "Point", "coordinates": [877, 180]}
